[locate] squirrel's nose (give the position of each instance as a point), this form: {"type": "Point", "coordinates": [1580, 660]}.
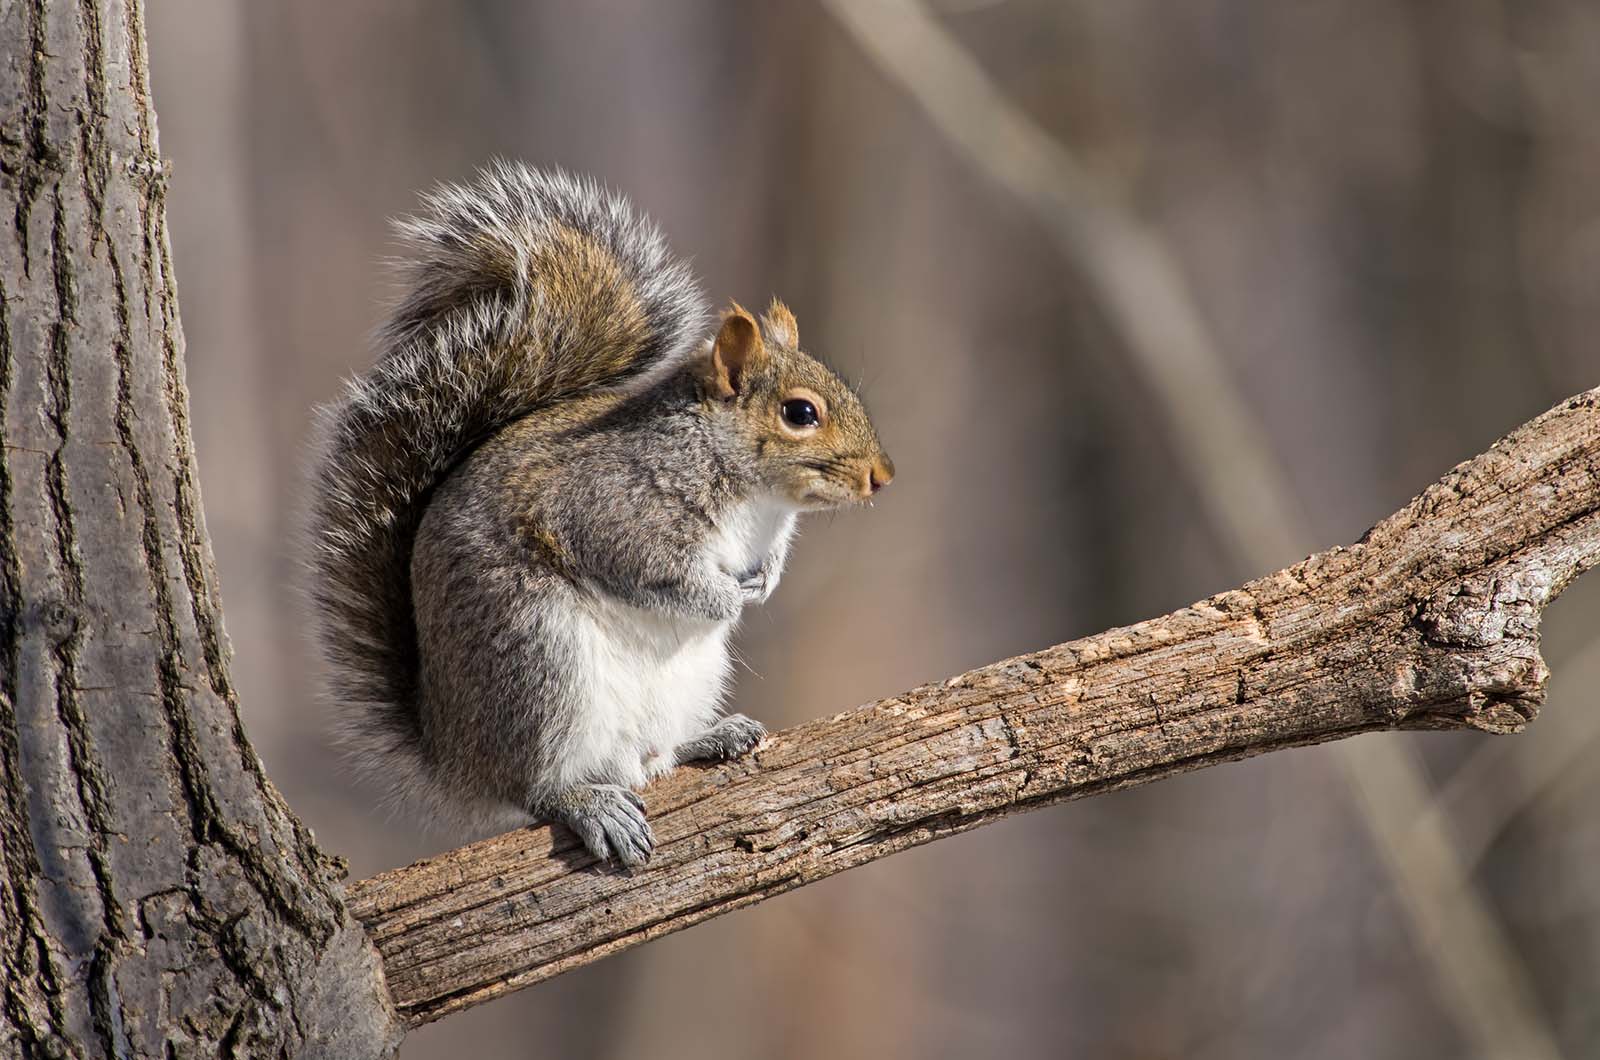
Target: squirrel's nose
{"type": "Point", "coordinates": [882, 473]}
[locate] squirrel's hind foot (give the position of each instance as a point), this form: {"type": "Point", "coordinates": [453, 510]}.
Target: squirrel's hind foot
{"type": "Point", "coordinates": [609, 819]}
{"type": "Point", "coordinates": [730, 737]}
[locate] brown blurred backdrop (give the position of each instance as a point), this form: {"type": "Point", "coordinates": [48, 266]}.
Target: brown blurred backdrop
{"type": "Point", "coordinates": [1388, 214]}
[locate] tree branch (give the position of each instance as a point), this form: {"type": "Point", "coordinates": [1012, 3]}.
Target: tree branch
{"type": "Point", "coordinates": [1139, 283]}
{"type": "Point", "coordinates": [1430, 622]}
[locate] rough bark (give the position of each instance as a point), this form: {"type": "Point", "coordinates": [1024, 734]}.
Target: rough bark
{"type": "Point", "coordinates": [157, 899]}
{"type": "Point", "coordinates": [1431, 621]}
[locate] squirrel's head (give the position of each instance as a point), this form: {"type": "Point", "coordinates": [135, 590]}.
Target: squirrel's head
{"type": "Point", "coordinates": [813, 441]}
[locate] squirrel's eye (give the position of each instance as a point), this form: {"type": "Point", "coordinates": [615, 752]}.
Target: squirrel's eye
{"type": "Point", "coordinates": [798, 412]}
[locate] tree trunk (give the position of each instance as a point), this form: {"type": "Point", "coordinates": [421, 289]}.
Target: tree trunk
{"type": "Point", "coordinates": [157, 898]}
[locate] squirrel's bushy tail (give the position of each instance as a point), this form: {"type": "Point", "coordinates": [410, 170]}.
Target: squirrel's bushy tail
{"type": "Point", "coordinates": [522, 288]}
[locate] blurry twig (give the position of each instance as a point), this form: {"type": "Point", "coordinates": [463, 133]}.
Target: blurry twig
{"type": "Point", "coordinates": [1227, 452]}
{"type": "Point", "coordinates": [1133, 276]}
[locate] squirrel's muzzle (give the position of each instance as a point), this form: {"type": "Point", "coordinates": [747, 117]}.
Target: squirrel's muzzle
{"type": "Point", "coordinates": [880, 474]}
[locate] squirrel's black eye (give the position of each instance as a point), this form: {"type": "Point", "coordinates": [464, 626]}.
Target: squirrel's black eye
{"type": "Point", "coordinates": [798, 412]}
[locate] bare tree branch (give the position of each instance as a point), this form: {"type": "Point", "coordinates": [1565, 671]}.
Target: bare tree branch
{"type": "Point", "coordinates": [1430, 622]}
{"type": "Point", "coordinates": [1141, 286]}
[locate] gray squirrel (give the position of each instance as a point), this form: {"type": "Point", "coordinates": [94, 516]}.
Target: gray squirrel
{"type": "Point", "coordinates": [537, 518]}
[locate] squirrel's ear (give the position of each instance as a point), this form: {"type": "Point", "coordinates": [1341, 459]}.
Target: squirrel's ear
{"type": "Point", "coordinates": [736, 350]}
{"type": "Point", "coordinates": [781, 326]}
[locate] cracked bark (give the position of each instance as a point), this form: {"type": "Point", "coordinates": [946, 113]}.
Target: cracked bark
{"type": "Point", "coordinates": [157, 899]}
{"type": "Point", "coordinates": [1431, 621]}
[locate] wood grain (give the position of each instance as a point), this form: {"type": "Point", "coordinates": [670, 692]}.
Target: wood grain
{"type": "Point", "coordinates": [1431, 621]}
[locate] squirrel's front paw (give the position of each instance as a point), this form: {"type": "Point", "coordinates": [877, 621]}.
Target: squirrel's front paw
{"type": "Point", "coordinates": [609, 819]}
{"type": "Point", "coordinates": [730, 737]}
{"type": "Point", "coordinates": [757, 586]}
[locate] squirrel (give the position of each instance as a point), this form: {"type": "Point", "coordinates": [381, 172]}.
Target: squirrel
{"type": "Point", "coordinates": [536, 519]}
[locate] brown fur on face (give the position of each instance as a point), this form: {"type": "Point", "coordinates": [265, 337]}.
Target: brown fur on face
{"type": "Point", "coordinates": [754, 370]}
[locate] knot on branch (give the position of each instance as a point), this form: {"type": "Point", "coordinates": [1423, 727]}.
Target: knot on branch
{"type": "Point", "coordinates": [1485, 609]}
{"type": "Point", "coordinates": [1487, 626]}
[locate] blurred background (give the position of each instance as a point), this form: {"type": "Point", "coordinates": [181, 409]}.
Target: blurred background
{"type": "Point", "coordinates": [1147, 298]}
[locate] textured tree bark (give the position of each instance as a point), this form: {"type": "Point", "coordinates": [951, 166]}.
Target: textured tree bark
{"type": "Point", "coordinates": [157, 899]}
{"type": "Point", "coordinates": [1431, 621]}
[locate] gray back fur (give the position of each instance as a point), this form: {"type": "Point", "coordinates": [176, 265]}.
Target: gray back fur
{"type": "Point", "coordinates": [522, 288]}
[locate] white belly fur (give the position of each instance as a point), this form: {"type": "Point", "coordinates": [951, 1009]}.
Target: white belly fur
{"type": "Point", "coordinates": [650, 680]}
